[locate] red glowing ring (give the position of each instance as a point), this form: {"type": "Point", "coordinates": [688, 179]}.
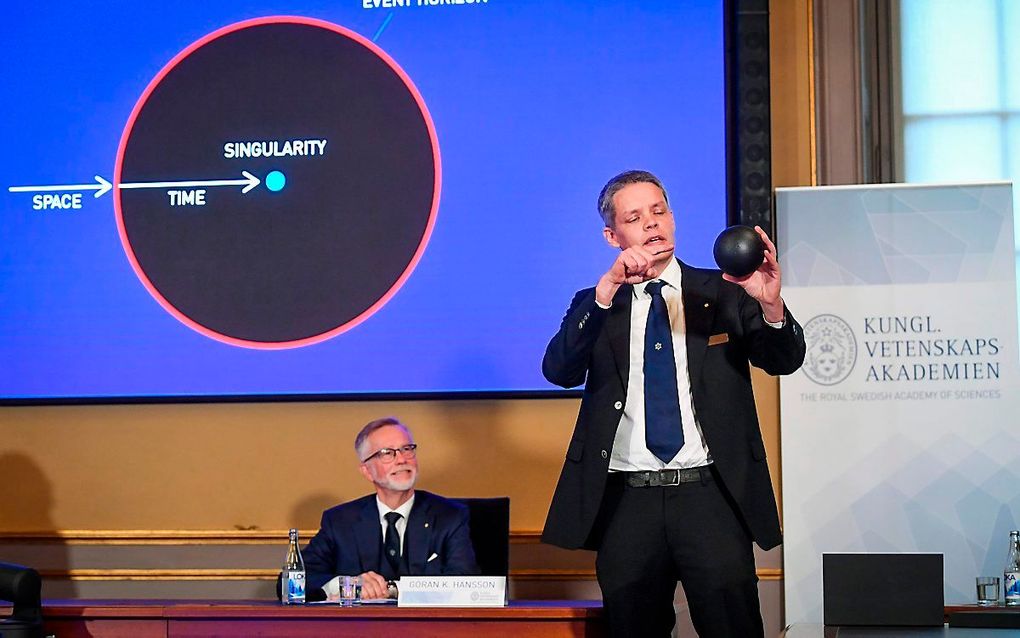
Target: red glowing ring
{"type": "Point", "coordinates": [350, 324]}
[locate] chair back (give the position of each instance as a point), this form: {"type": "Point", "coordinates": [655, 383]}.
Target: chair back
{"type": "Point", "coordinates": [490, 533]}
{"type": "Point", "coordinates": [21, 586]}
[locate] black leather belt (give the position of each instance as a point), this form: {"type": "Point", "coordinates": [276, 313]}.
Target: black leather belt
{"type": "Point", "coordinates": [660, 478]}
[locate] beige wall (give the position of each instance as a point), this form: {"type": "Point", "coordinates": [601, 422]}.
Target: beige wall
{"type": "Point", "coordinates": [259, 466]}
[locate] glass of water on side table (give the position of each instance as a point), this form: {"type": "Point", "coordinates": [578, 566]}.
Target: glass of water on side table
{"type": "Point", "coordinates": [987, 590]}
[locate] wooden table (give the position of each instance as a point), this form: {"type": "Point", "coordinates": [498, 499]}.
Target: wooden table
{"type": "Point", "coordinates": [976, 630]}
{"type": "Point", "coordinates": [823, 631]}
{"type": "Point", "coordinates": [179, 618]}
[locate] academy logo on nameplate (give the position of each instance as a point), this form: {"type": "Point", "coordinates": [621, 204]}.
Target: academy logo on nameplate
{"type": "Point", "coordinates": [831, 350]}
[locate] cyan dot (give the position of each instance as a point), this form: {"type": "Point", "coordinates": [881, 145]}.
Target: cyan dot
{"type": "Point", "coordinates": [275, 181]}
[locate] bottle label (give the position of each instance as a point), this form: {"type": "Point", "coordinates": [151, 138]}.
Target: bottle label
{"type": "Point", "coordinates": [1011, 585]}
{"type": "Point", "coordinates": [295, 586]}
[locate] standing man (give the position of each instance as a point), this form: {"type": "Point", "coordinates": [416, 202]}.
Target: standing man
{"type": "Point", "coordinates": [397, 530]}
{"type": "Point", "coordinates": [665, 474]}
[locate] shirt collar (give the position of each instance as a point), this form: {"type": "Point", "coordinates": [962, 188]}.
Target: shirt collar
{"type": "Point", "coordinates": [671, 277]}
{"type": "Point", "coordinates": [404, 510]}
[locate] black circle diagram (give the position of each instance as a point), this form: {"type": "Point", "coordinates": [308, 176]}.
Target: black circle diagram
{"type": "Point", "coordinates": [252, 262]}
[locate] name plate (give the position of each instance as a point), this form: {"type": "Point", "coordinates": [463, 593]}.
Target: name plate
{"type": "Point", "coordinates": [451, 591]}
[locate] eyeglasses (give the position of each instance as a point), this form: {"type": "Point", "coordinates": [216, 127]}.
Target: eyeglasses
{"type": "Point", "coordinates": [388, 454]}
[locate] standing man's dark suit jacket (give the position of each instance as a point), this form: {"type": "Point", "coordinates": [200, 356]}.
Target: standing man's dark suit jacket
{"type": "Point", "coordinates": [349, 540]}
{"type": "Point", "coordinates": [725, 329]}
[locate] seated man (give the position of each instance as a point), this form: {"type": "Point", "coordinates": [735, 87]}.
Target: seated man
{"type": "Point", "coordinates": [396, 531]}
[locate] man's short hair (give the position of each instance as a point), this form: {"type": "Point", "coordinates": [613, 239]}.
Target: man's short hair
{"type": "Point", "coordinates": [372, 426]}
{"type": "Point", "coordinates": [614, 185]}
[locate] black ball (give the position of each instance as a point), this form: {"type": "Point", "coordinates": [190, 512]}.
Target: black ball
{"type": "Point", "coordinates": [739, 251]}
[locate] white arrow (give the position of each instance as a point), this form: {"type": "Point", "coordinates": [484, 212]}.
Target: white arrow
{"type": "Point", "coordinates": [250, 182]}
{"type": "Point", "coordinates": [101, 187]}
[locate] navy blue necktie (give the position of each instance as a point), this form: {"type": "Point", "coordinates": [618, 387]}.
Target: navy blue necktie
{"type": "Point", "coordinates": [391, 543]}
{"type": "Point", "coordinates": [664, 433]}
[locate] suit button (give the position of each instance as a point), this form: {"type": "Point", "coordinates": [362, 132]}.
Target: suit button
{"type": "Point", "coordinates": [605, 454]}
{"type": "Point", "coordinates": [618, 405]}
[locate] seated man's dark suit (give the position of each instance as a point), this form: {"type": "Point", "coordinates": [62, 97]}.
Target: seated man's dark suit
{"type": "Point", "coordinates": [349, 541]}
{"type": "Point", "coordinates": [725, 331]}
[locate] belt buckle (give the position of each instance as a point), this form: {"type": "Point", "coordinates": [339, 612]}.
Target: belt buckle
{"type": "Point", "coordinates": [676, 477]}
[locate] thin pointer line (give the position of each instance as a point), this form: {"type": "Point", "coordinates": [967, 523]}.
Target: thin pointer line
{"type": "Point", "coordinates": [249, 182]}
{"type": "Point", "coordinates": [211, 182]}
{"type": "Point", "coordinates": [49, 189]}
{"type": "Point", "coordinates": [383, 26]}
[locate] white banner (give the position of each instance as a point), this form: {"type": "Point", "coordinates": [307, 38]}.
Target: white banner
{"type": "Point", "coordinates": [899, 433]}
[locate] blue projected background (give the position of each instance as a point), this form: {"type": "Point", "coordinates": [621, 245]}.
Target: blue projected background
{"type": "Point", "coordinates": [534, 105]}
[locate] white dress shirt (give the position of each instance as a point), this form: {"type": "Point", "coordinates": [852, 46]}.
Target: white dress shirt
{"type": "Point", "coordinates": [404, 511]}
{"type": "Point", "coordinates": [629, 450]}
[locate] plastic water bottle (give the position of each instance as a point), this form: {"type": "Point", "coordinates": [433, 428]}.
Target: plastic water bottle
{"type": "Point", "coordinates": [1011, 575]}
{"type": "Point", "coordinates": [293, 573]}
